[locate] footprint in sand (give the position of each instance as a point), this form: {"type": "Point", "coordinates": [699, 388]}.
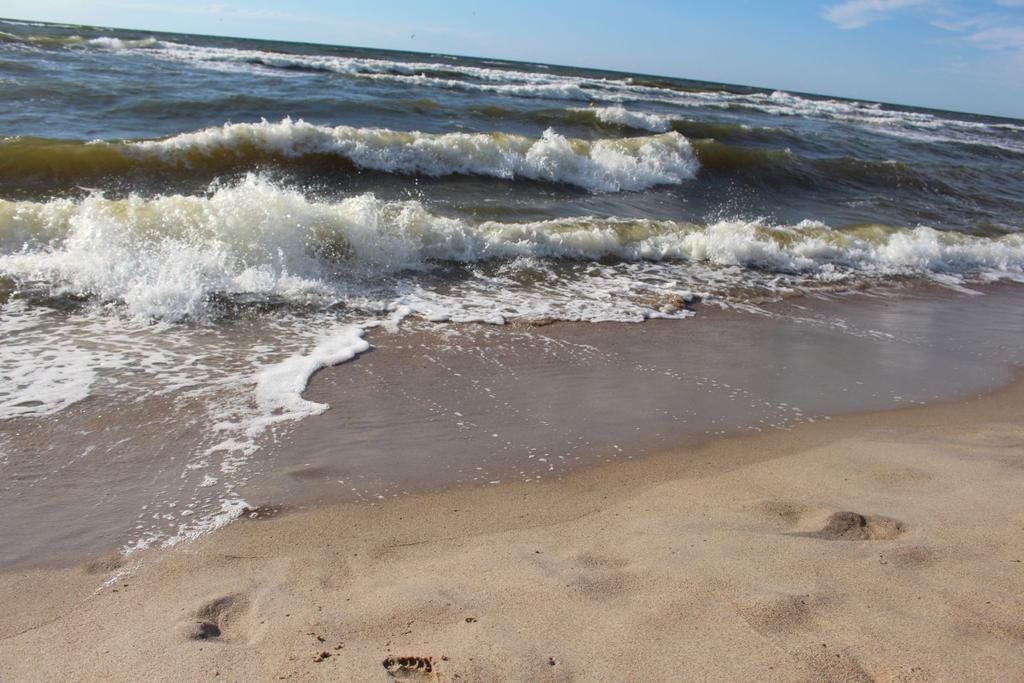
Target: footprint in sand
{"type": "Point", "coordinates": [783, 613]}
{"type": "Point", "coordinates": [853, 526]}
{"type": "Point", "coordinates": [780, 512]}
{"type": "Point", "coordinates": [216, 618]}
{"type": "Point", "coordinates": [409, 668]}
{"type": "Point", "coordinates": [263, 512]}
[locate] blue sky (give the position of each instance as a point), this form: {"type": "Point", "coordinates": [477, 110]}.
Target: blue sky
{"type": "Point", "coordinates": [949, 54]}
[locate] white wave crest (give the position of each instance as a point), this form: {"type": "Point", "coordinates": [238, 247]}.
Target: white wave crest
{"type": "Point", "coordinates": [171, 257]}
{"type": "Point", "coordinates": [603, 165]}
{"type": "Point", "coordinates": [620, 116]}
{"type": "Point", "coordinates": [108, 43]}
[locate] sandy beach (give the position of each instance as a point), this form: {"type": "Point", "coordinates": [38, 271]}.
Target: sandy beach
{"type": "Point", "coordinates": [879, 546]}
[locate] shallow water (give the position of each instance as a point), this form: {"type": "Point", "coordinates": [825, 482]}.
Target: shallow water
{"type": "Point", "coordinates": [439, 405]}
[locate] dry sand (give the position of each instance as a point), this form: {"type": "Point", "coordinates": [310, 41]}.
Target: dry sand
{"type": "Point", "coordinates": [884, 546]}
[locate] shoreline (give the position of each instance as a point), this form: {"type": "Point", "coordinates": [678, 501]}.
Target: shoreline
{"type": "Point", "coordinates": [437, 407]}
{"type": "Point", "coordinates": [663, 566]}
{"type": "Point", "coordinates": [423, 418]}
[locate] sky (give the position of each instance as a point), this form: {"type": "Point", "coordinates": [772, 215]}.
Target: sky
{"type": "Point", "coordinates": [965, 55]}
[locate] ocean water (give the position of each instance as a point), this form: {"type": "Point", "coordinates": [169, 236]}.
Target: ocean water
{"type": "Point", "coordinates": [196, 225]}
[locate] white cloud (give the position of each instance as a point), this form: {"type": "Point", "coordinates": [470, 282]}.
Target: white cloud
{"type": "Point", "coordinates": [958, 25]}
{"type": "Point", "coordinates": [986, 31]}
{"type": "Point", "coordinates": [859, 13]}
{"type": "Point", "coordinates": [999, 38]}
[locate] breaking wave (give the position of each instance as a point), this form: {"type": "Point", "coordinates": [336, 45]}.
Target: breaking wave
{"type": "Point", "coordinates": [176, 257]}
{"type": "Point", "coordinates": [607, 165]}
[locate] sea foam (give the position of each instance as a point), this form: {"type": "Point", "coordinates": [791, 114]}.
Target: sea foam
{"type": "Point", "coordinates": [279, 386]}
{"type": "Point", "coordinates": [177, 257]}
{"type": "Point", "coordinates": [41, 372]}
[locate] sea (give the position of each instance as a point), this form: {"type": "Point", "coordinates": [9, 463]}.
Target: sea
{"type": "Point", "coordinates": [192, 226]}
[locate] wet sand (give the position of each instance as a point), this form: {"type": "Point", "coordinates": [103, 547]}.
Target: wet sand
{"type": "Point", "coordinates": [876, 546]}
